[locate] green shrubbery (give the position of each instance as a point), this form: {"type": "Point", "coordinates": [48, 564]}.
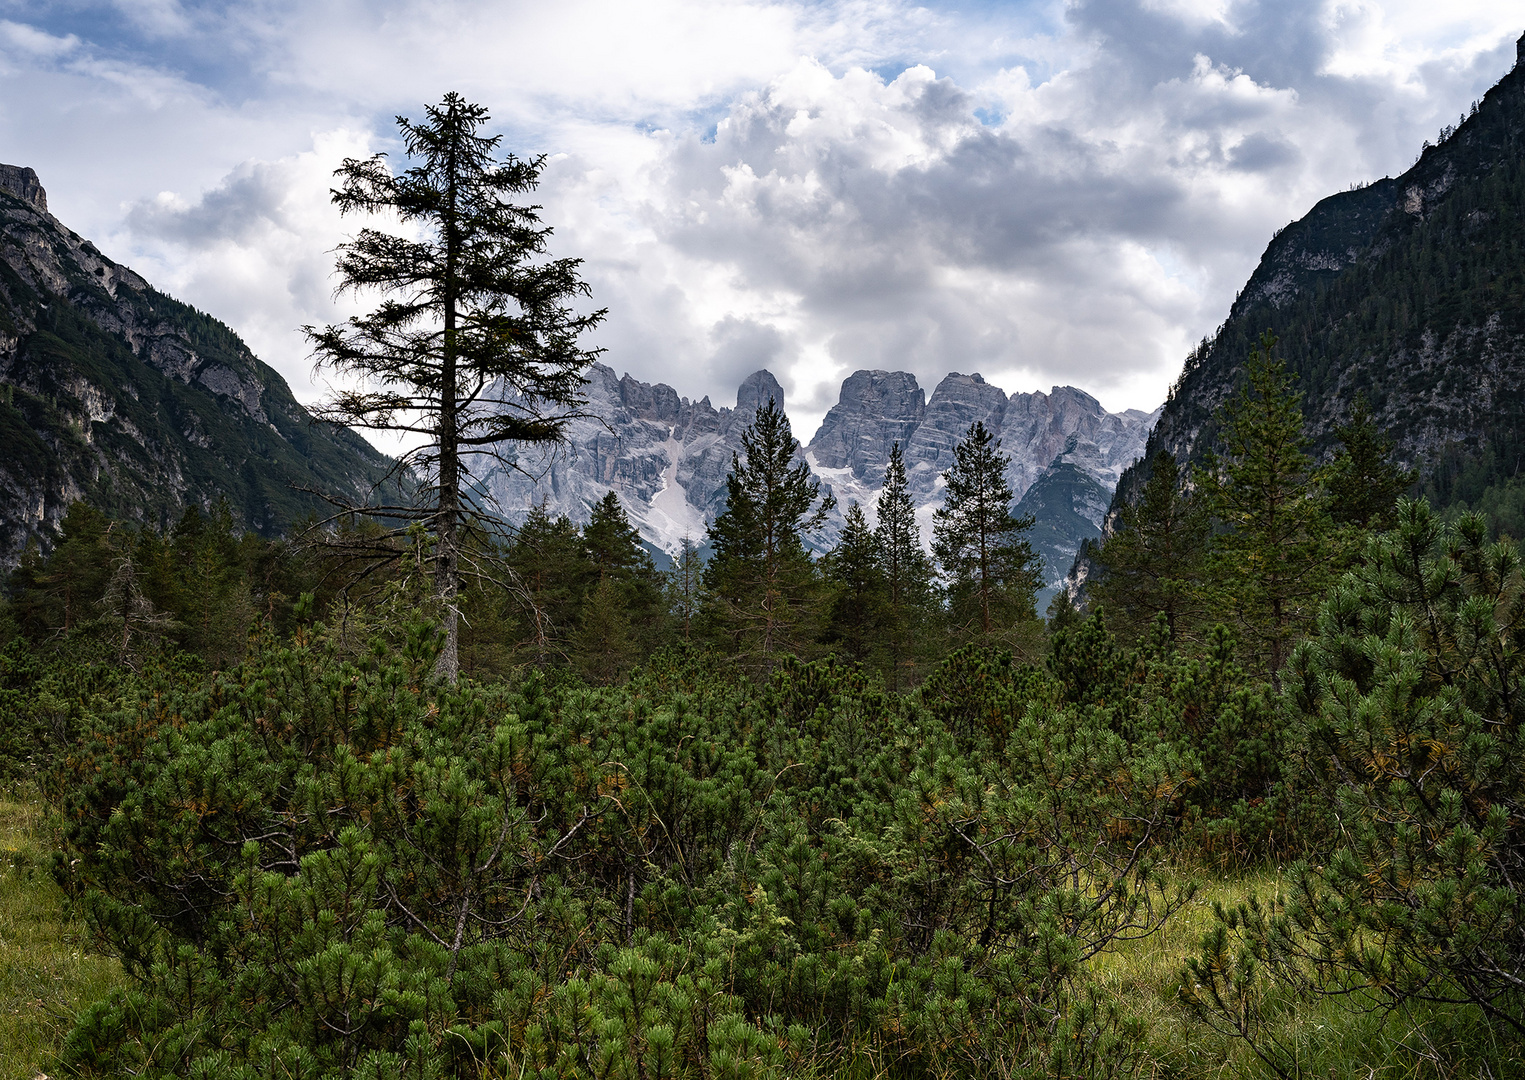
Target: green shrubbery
{"type": "Point", "coordinates": [315, 857]}
{"type": "Point", "coordinates": [320, 865]}
{"type": "Point", "coordinates": [324, 861]}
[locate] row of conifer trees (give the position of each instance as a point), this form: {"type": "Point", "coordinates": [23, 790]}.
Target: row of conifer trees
{"type": "Point", "coordinates": [1253, 537]}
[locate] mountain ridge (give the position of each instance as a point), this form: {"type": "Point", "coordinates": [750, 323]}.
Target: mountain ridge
{"type": "Point", "coordinates": [114, 393]}
{"type": "Point", "coordinates": [667, 456]}
{"type": "Point", "coordinates": [1409, 291]}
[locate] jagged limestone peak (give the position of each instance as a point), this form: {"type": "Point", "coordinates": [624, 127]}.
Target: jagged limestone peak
{"type": "Point", "coordinates": [757, 389]}
{"type": "Point", "coordinates": [22, 182]}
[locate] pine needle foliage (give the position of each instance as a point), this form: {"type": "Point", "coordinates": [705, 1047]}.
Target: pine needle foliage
{"type": "Point", "coordinates": [1155, 559]}
{"type": "Point", "coordinates": [1410, 719]}
{"type": "Point", "coordinates": [766, 594]}
{"type": "Point", "coordinates": [911, 603]}
{"type": "Point", "coordinates": [1272, 561]}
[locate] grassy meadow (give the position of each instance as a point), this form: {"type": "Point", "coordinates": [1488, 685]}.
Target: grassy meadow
{"type": "Point", "coordinates": [49, 968]}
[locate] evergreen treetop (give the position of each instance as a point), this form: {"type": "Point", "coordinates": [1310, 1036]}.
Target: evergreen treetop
{"type": "Point", "coordinates": [1155, 558]}
{"type": "Point", "coordinates": [910, 602]}
{"type": "Point", "coordinates": [761, 579]}
{"type": "Point", "coordinates": [1272, 562]}
{"type": "Point", "coordinates": [991, 571]}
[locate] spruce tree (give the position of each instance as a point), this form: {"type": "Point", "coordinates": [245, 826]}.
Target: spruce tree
{"type": "Point", "coordinates": [605, 639]}
{"type": "Point", "coordinates": [685, 586]}
{"type": "Point", "coordinates": [766, 593]}
{"type": "Point", "coordinates": [553, 576]}
{"type": "Point", "coordinates": [1364, 480]}
{"type": "Point", "coordinates": [992, 573]}
{"type": "Point", "coordinates": [857, 610]}
{"type": "Point", "coordinates": [58, 594]}
{"type": "Point", "coordinates": [475, 342]}
{"type": "Point", "coordinates": [1271, 566]}
{"type": "Point", "coordinates": [614, 551]}
{"type": "Point", "coordinates": [1154, 560]}
{"type": "Point", "coordinates": [910, 600]}
{"type": "Point", "coordinates": [622, 608]}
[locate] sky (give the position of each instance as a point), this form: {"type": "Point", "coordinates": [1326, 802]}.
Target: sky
{"type": "Point", "coordinates": [1048, 192]}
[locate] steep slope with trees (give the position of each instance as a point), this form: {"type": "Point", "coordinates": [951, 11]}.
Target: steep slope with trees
{"type": "Point", "coordinates": [116, 394]}
{"type": "Point", "coordinates": [1410, 291]}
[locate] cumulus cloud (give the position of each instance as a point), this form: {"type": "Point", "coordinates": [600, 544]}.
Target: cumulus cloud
{"type": "Point", "coordinates": [1048, 193]}
{"type": "Point", "coordinates": [255, 250]}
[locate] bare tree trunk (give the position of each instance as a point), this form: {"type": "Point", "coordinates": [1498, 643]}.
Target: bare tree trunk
{"type": "Point", "coordinates": [447, 566]}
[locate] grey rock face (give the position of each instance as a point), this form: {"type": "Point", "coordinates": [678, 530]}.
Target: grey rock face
{"type": "Point", "coordinates": [120, 396]}
{"type": "Point", "coordinates": [22, 182]}
{"type": "Point", "coordinates": [757, 390]}
{"type": "Point", "coordinates": [667, 457]}
{"type": "Point", "coordinates": [1040, 427]}
{"type": "Point", "coordinates": [1068, 505]}
{"type": "Point", "coordinates": [876, 410]}
{"type": "Point", "coordinates": [956, 404]}
{"type": "Point", "coordinates": [852, 447]}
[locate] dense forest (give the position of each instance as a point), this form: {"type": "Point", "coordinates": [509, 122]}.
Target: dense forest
{"type": "Point", "coordinates": [771, 815]}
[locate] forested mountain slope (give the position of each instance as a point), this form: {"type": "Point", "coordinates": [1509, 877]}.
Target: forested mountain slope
{"type": "Point", "coordinates": [1411, 292]}
{"type": "Point", "coordinates": [114, 393]}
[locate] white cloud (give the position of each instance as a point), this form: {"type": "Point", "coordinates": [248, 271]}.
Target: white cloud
{"type": "Point", "coordinates": [1047, 192]}
{"type": "Point", "coordinates": [256, 251]}
{"type": "Point", "coordinates": [34, 43]}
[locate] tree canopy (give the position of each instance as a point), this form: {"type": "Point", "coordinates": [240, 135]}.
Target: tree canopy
{"type": "Point", "coordinates": [990, 570]}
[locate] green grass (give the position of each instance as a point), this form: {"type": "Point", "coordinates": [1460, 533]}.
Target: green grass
{"type": "Point", "coordinates": [49, 970]}
{"type": "Point", "coordinates": [1319, 1037]}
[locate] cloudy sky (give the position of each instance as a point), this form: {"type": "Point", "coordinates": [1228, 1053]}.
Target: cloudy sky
{"type": "Point", "coordinates": [1044, 191]}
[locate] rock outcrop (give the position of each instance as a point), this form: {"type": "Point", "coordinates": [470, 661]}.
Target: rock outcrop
{"type": "Point", "coordinates": [852, 447]}
{"type": "Point", "coordinates": [23, 184]}
{"type": "Point", "coordinates": [876, 409]}
{"type": "Point", "coordinates": [119, 395]}
{"type": "Point", "coordinates": [668, 457]}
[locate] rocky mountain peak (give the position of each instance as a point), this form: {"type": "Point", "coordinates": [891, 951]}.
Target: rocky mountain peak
{"type": "Point", "coordinates": [22, 182]}
{"type": "Point", "coordinates": [755, 391]}
{"type": "Point", "coordinates": [875, 410]}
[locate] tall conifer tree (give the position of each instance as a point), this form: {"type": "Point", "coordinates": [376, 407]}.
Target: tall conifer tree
{"type": "Point", "coordinates": [622, 609]}
{"type": "Point", "coordinates": [685, 586]}
{"type": "Point", "coordinates": [1272, 564]}
{"type": "Point", "coordinates": [475, 342]}
{"type": "Point", "coordinates": [766, 592]}
{"type": "Point", "coordinates": [552, 571]}
{"type": "Point", "coordinates": [1155, 559]}
{"type": "Point", "coordinates": [1365, 481]}
{"type": "Point", "coordinates": [858, 609]}
{"type": "Point", "coordinates": [991, 570]}
{"type": "Point", "coordinates": [910, 595]}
